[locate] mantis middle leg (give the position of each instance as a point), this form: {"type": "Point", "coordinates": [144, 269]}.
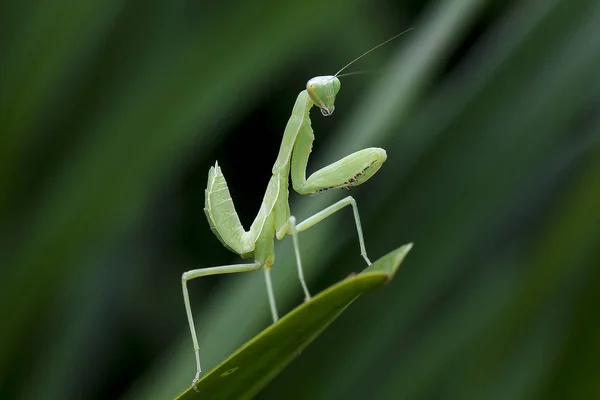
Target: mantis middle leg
{"type": "Point", "coordinates": [315, 219]}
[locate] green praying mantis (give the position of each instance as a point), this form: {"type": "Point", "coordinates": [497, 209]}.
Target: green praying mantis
{"type": "Point", "coordinates": [274, 219]}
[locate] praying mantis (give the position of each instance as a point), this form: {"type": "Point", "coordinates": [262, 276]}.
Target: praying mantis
{"type": "Point", "coordinates": [274, 219]}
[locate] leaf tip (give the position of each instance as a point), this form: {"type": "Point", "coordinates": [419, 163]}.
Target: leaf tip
{"type": "Point", "coordinates": [397, 256]}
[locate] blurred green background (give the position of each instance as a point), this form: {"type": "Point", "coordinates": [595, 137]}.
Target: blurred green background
{"type": "Point", "coordinates": [111, 113]}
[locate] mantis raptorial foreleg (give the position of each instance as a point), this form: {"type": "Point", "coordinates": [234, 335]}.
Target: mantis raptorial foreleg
{"type": "Point", "coordinates": [197, 273]}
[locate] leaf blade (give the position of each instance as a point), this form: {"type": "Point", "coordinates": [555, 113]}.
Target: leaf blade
{"type": "Point", "coordinates": [256, 363]}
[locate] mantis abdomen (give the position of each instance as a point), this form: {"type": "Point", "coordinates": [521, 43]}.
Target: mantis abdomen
{"type": "Point", "coordinates": [220, 212]}
{"type": "Point", "coordinates": [224, 220]}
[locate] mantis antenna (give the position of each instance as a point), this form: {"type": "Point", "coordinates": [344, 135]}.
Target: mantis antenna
{"type": "Point", "coordinates": [369, 71]}
{"type": "Point", "coordinates": [368, 51]}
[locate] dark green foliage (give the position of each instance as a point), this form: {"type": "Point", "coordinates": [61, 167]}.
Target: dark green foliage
{"type": "Point", "coordinates": [111, 113]}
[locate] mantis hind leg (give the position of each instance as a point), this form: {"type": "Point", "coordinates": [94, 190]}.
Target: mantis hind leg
{"type": "Point", "coordinates": [197, 273]}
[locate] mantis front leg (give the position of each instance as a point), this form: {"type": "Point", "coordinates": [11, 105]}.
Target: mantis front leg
{"type": "Point", "coordinates": [350, 171]}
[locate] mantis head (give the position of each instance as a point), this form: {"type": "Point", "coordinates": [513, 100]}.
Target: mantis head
{"type": "Point", "coordinates": [322, 91]}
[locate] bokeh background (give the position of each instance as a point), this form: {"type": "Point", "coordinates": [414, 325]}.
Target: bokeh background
{"type": "Point", "coordinates": [111, 113]}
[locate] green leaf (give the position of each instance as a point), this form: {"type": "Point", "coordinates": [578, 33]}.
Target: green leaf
{"type": "Point", "coordinates": [252, 366]}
